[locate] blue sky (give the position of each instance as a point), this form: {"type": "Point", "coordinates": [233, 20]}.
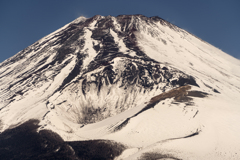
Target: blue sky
{"type": "Point", "coordinates": [23, 22]}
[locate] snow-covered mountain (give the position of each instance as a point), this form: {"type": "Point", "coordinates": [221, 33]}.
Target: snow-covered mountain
{"type": "Point", "coordinates": [143, 85]}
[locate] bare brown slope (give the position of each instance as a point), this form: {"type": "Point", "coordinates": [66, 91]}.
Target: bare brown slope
{"type": "Point", "coordinates": [178, 93]}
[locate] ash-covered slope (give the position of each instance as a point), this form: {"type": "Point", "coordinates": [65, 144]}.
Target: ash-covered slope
{"type": "Point", "coordinates": [103, 77]}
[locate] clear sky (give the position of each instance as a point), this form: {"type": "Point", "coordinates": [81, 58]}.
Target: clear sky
{"type": "Point", "coordinates": [23, 22]}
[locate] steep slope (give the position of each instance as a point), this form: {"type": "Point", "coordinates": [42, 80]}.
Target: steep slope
{"type": "Point", "coordinates": [140, 81]}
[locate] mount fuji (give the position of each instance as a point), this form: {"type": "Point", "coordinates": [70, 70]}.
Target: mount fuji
{"type": "Point", "coordinates": [125, 87]}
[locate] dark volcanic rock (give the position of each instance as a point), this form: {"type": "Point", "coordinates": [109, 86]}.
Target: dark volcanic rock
{"type": "Point", "coordinates": [24, 142]}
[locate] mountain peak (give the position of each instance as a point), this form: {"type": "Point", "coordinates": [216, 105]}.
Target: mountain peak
{"type": "Point", "coordinates": [137, 80]}
{"type": "Point", "coordinates": [79, 19]}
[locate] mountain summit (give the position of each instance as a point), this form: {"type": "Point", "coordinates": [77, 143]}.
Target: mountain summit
{"type": "Point", "coordinates": [140, 85]}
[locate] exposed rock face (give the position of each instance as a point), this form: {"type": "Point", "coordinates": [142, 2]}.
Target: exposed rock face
{"type": "Point", "coordinates": [119, 69]}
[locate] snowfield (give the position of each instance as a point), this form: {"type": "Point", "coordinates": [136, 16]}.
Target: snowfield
{"type": "Point", "coordinates": [96, 78]}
